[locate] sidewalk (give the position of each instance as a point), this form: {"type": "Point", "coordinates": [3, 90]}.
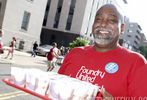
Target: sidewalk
{"type": "Point", "coordinates": [24, 59]}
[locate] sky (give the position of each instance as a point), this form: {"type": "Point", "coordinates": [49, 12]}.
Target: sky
{"type": "Point", "coordinates": [136, 10]}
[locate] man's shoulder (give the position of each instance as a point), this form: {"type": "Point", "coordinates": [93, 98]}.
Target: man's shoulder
{"type": "Point", "coordinates": [82, 48]}
{"type": "Point", "coordinates": [131, 53]}
{"type": "Point", "coordinates": [51, 50]}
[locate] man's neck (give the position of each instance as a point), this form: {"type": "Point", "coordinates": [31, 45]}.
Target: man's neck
{"type": "Point", "coordinates": [104, 49]}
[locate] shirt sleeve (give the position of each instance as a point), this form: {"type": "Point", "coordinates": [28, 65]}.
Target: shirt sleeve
{"type": "Point", "coordinates": [66, 62]}
{"type": "Point", "coordinates": [137, 83]}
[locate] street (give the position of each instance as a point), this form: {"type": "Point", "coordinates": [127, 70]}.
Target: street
{"type": "Point", "coordinates": [23, 60]}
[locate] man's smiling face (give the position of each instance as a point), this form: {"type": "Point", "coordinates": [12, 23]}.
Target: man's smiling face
{"type": "Point", "coordinates": [107, 26]}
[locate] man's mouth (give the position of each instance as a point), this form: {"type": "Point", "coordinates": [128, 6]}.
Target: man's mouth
{"type": "Point", "coordinates": [103, 32]}
{"type": "Point", "coordinates": [103, 35]}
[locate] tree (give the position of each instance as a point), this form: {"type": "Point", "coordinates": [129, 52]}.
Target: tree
{"type": "Point", "coordinates": [79, 42]}
{"type": "Point", "coordinates": [143, 50]}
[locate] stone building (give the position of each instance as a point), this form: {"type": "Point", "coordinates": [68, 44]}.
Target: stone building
{"type": "Point", "coordinates": [22, 19]}
{"type": "Point", "coordinates": [133, 36]}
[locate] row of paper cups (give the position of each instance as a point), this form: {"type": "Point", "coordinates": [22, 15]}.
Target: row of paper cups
{"type": "Point", "coordinates": [53, 85]}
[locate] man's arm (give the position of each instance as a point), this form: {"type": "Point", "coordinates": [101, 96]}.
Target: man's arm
{"type": "Point", "coordinates": [55, 54]}
{"type": "Point", "coordinates": [138, 82]}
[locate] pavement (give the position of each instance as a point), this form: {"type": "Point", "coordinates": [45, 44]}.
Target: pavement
{"type": "Point", "coordinates": [22, 58]}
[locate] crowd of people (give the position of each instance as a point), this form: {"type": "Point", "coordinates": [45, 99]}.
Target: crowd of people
{"type": "Point", "coordinates": [55, 56]}
{"type": "Point", "coordinates": [35, 47]}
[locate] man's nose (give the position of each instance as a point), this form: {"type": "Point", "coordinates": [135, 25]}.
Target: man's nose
{"type": "Point", "coordinates": [104, 23]}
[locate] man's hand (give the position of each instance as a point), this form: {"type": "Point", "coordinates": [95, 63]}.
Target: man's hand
{"type": "Point", "coordinates": [106, 95]}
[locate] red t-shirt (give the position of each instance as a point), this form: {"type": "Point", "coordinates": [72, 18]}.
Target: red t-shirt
{"type": "Point", "coordinates": [0, 48]}
{"type": "Point", "coordinates": [122, 72]}
{"type": "Point", "coordinates": [50, 55]}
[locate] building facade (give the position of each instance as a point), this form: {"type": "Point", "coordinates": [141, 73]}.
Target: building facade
{"type": "Point", "coordinates": [48, 21]}
{"type": "Point", "coordinates": [72, 17]}
{"type": "Point", "coordinates": [22, 19]}
{"type": "Point", "coordinates": [143, 40]}
{"type": "Point", "coordinates": [132, 36]}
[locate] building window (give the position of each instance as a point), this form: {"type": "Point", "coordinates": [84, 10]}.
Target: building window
{"type": "Point", "coordinates": [30, 0]}
{"type": "Point", "coordinates": [130, 31]}
{"type": "Point", "coordinates": [136, 42]}
{"type": "Point", "coordinates": [137, 37]}
{"type": "Point", "coordinates": [131, 25]}
{"type": "Point", "coordinates": [134, 48]}
{"type": "Point", "coordinates": [125, 1]}
{"type": "Point", "coordinates": [46, 13]}
{"type": "Point", "coordinates": [139, 27]}
{"type": "Point", "coordinates": [58, 12]}
{"type": "Point", "coordinates": [90, 34]}
{"type": "Point", "coordinates": [137, 31]}
{"type": "Point", "coordinates": [70, 14]}
{"type": "Point", "coordinates": [0, 6]}
{"type": "Point", "coordinates": [128, 35]}
{"type": "Point", "coordinates": [25, 20]}
{"type": "Point", "coordinates": [126, 43]}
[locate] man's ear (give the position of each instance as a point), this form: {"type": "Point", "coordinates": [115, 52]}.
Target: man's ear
{"type": "Point", "coordinates": [122, 28]}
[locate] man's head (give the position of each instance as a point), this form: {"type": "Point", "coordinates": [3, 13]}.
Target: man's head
{"type": "Point", "coordinates": [14, 38]}
{"type": "Point", "coordinates": [54, 44]}
{"type": "Point", "coordinates": [107, 27]}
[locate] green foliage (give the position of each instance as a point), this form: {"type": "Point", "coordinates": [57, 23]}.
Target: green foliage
{"type": "Point", "coordinates": [143, 50]}
{"type": "Point", "coordinates": [79, 42]}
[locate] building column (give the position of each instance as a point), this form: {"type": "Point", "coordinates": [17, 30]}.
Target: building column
{"type": "Point", "coordinates": [95, 7]}
{"type": "Point", "coordinates": [78, 16]}
{"type": "Point", "coordinates": [52, 13]}
{"type": "Point", "coordinates": [87, 17]}
{"type": "Point", "coordinates": [64, 14]}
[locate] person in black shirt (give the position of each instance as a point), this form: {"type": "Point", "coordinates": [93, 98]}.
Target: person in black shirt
{"type": "Point", "coordinates": [35, 46]}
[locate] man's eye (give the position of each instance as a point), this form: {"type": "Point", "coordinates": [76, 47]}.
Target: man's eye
{"type": "Point", "coordinates": [98, 19]}
{"type": "Point", "coordinates": [112, 21]}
